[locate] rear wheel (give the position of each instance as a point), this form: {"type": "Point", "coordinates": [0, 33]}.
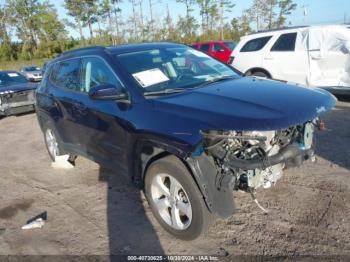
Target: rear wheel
{"type": "Point", "coordinates": [52, 142]}
{"type": "Point", "coordinates": [175, 199]}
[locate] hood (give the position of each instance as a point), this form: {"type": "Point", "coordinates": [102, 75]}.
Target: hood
{"type": "Point", "coordinates": [18, 88]}
{"type": "Point", "coordinates": [246, 104]}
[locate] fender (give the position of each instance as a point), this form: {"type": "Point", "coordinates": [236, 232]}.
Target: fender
{"type": "Point", "coordinates": [219, 201]}
{"type": "Point", "coordinates": [201, 167]}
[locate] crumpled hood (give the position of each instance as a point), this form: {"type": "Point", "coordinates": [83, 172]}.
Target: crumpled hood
{"type": "Point", "coordinates": [17, 88]}
{"type": "Point", "coordinates": [246, 104]}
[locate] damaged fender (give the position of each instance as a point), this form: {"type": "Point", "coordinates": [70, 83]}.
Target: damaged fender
{"type": "Point", "coordinates": [219, 199]}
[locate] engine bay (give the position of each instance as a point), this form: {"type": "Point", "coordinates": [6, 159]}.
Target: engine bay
{"type": "Point", "coordinates": [255, 159]}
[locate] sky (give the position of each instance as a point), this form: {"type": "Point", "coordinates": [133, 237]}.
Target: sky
{"type": "Point", "coordinates": [318, 11]}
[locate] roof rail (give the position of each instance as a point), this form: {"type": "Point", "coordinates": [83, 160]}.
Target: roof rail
{"type": "Point", "coordinates": [278, 29]}
{"type": "Point", "coordinates": [97, 47]}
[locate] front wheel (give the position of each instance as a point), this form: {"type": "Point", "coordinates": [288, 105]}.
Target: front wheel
{"type": "Point", "coordinates": [260, 74]}
{"type": "Point", "coordinates": [175, 199]}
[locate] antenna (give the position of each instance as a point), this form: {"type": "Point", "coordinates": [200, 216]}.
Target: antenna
{"type": "Point", "coordinates": [305, 13]}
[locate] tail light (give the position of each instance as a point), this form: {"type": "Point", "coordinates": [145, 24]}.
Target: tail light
{"type": "Point", "coordinates": [230, 60]}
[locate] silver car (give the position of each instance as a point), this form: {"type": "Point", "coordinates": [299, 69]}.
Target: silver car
{"type": "Point", "coordinates": [32, 73]}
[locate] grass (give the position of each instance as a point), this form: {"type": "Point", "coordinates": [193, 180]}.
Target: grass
{"type": "Point", "coordinates": [16, 65]}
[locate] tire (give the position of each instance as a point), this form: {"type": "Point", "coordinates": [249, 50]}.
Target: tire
{"type": "Point", "coordinates": [260, 74]}
{"type": "Point", "coordinates": [52, 141]}
{"type": "Point", "coordinates": [171, 173]}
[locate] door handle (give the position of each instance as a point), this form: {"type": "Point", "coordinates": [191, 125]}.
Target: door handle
{"type": "Point", "coordinates": [268, 58]}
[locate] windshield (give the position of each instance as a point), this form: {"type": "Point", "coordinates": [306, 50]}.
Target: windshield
{"type": "Point", "coordinates": [11, 78]}
{"type": "Point", "coordinates": [31, 68]}
{"type": "Point", "coordinates": [230, 45]}
{"type": "Point", "coordinates": [173, 69]}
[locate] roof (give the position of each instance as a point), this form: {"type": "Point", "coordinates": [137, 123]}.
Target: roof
{"type": "Point", "coordinates": [117, 49]}
{"type": "Point", "coordinates": [278, 29]}
{"type": "Point", "coordinates": [218, 41]}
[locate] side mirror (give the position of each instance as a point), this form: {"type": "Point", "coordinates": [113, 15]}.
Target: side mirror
{"type": "Point", "coordinates": [107, 92]}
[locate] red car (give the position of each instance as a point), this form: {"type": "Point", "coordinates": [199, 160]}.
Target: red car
{"type": "Point", "coordinates": [220, 50]}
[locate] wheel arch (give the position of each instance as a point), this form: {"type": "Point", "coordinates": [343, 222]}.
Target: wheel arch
{"type": "Point", "coordinates": [258, 69]}
{"type": "Point", "coordinates": [201, 168]}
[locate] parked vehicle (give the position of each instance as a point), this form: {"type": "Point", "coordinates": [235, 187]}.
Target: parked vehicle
{"type": "Point", "coordinates": [32, 73]}
{"type": "Point", "coordinates": [316, 56]}
{"type": "Point", "coordinates": [220, 50]}
{"type": "Point", "coordinates": [179, 122]}
{"type": "Point", "coordinates": [16, 94]}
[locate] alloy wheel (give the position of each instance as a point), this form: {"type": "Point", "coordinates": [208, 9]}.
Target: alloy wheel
{"type": "Point", "coordinates": [171, 201]}
{"type": "Point", "coordinates": [51, 142]}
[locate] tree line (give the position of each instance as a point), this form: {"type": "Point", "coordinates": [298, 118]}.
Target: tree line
{"type": "Point", "coordinates": [31, 28]}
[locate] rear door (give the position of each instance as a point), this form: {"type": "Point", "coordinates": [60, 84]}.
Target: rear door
{"type": "Point", "coordinates": [220, 52]}
{"type": "Point", "coordinates": [65, 83]}
{"type": "Point", "coordinates": [205, 48]}
{"type": "Point", "coordinates": [286, 60]}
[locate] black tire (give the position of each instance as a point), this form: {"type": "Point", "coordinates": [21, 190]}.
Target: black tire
{"type": "Point", "coordinates": [260, 74]}
{"type": "Point", "coordinates": [60, 151]}
{"type": "Point", "coordinates": [201, 217]}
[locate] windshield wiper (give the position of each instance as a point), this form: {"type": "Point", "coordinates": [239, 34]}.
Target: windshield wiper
{"type": "Point", "coordinates": [215, 80]}
{"type": "Point", "coordinates": [165, 91]}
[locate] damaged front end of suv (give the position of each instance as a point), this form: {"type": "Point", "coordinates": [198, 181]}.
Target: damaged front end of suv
{"type": "Point", "coordinates": [257, 159]}
{"type": "Point", "coordinates": [246, 161]}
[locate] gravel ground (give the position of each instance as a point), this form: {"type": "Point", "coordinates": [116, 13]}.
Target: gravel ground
{"type": "Point", "coordinates": [92, 211]}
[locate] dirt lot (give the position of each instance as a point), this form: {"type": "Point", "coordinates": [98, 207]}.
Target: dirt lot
{"type": "Point", "coordinates": [92, 211]}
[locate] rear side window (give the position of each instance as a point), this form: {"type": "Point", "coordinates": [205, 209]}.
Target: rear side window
{"type": "Point", "coordinates": [66, 74]}
{"type": "Point", "coordinates": [95, 72]}
{"type": "Point", "coordinates": [195, 46]}
{"type": "Point", "coordinates": [204, 47]}
{"type": "Point", "coordinates": [230, 45]}
{"type": "Point", "coordinates": [255, 44]}
{"type": "Point", "coordinates": [285, 42]}
{"type": "Point", "coordinates": [218, 48]}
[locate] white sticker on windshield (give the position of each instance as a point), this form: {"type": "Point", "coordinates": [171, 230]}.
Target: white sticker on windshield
{"type": "Point", "coordinates": [197, 53]}
{"type": "Point", "coordinates": [12, 74]}
{"type": "Point", "coordinates": [150, 77]}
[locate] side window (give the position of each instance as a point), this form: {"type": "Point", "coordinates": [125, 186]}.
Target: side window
{"type": "Point", "coordinates": [96, 72]}
{"type": "Point", "coordinates": [285, 42]}
{"type": "Point", "coordinates": [218, 48]}
{"type": "Point", "coordinates": [205, 47]}
{"type": "Point", "coordinates": [255, 44]}
{"type": "Point", "coordinates": [66, 74]}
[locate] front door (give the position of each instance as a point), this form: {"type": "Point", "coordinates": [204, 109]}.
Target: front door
{"type": "Point", "coordinates": [102, 121]}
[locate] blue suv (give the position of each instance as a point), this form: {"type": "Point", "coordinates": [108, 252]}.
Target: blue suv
{"type": "Point", "coordinates": [184, 126]}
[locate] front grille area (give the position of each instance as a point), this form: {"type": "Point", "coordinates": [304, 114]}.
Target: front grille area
{"type": "Point", "coordinates": [22, 96]}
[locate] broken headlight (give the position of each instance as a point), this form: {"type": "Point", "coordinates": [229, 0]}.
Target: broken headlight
{"type": "Point", "coordinates": [257, 158]}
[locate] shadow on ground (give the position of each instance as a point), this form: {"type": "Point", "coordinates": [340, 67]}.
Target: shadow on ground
{"type": "Point", "coordinates": [125, 204]}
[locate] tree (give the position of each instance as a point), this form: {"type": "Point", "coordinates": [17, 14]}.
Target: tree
{"type": "Point", "coordinates": [6, 52]}
{"type": "Point", "coordinates": [89, 14]}
{"type": "Point", "coordinates": [271, 5]}
{"type": "Point", "coordinates": [133, 20]}
{"type": "Point", "coordinates": [286, 8]}
{"type": "Point", "coordinates": [75, 10]}
{"type": "Point", "coordinates": [188, 24]}
{"type": "Point", "coordinates": [117, 11]}
{"type": "Point", "coordinates": [224, 6]}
